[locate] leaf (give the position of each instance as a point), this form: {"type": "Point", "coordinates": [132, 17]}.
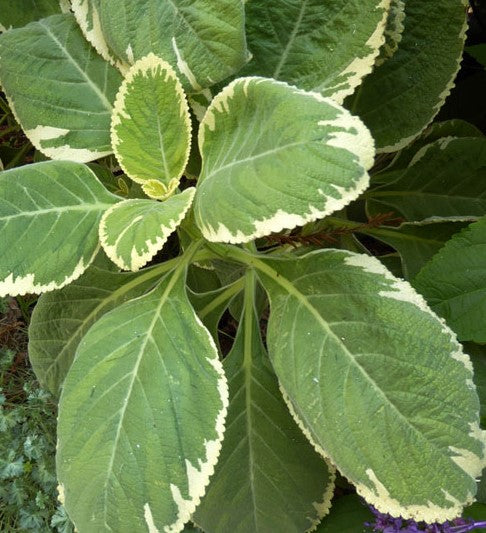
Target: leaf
{"type": "Point", "coordinates": [376, 381]}
{"type": "Point", "coordinates": [133, 231]}
{"type": "Point", "coordinates": [60, 90]}
{"type": "Point", "coordinates": [204, 40]}
{"type": "Point", "coordinates": [417, 243]}
{"type": "Point", "coordinates": [268, 475]}
{"type": "Point", "coordinates": [402, 96]}
{"type": "Point", "coordinates": [445, 179]}
{"type": "Point", "coordinates": [454, 283]}
{"type": "Point", "coordinates": [18, 13]}
{"type": "Point", "coordinates": [276, 157]}
{"type": "Point", "coordinates": [62, 318]}
{"type": "Point", "coordinates": [141, 416]}
{"type": "Point", "coordinates": [434, 132]}
{"type": "Point", "coordinates": [49, 216]}
{"type": "Point", "coordinates": [348, 515]}
{"type": "Point", "coordinates": [321, 46]}
{"type": "Point", "coordinates": [151, 125]}
{"type": "Point", "coordinates": [393, 30]}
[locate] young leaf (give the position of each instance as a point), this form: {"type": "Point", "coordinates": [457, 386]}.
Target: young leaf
{"type": "Point", "coordinates": [276, 157]}
{"type": "Point", "coordinates": [18, 13]}
{"type": "Point", "coordinates": [268, 475]}
{"type": "Point", "coordinates": [60, 90]}
{"type": "Point", "coordinates": [318, 46]}
{"type": "Point", "coordinates": [445, 179]}
{"type": "Point", "coordinates": [376, 381]}
{"type": "Point", "coordinates": [133, 231]}
{"type": "Point", "coordinates": [49, 217]}
{"type": "Point", "coordinates": [61, 318]}
{"type": "Point", "coordinates": [149, 372]}
{"type": "Point", "coordinates": [204, 40]}
{"type": "Point", "coordinates": [454, 283]}
{"type": "Point", "coordinates": [402, 96]}
{"type": "Point", "coordinates": [151, 126]}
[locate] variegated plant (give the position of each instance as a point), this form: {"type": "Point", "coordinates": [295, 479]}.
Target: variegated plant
{"type": "Point", "coordinates": [241, 128]}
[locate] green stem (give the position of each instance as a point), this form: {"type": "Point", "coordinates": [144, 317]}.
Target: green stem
{"type": "Point", "coordinates": [249, 317]}
{"type": "Point", "coordinates": [225, 296]}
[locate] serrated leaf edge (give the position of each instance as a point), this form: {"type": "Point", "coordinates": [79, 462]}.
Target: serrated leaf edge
{"type": "Point", "coordinates": [471, 464]}
{"type": "Point", "coordinates": [362, 66]}
{"type": "Point", "coordinates": [282, 220]}
{"type": "Point", "coordinates": [145, 66]}
{"type": "Point", "coordinates": [402, 143]}
{"type": "Point", "coordinates": [153, 244]}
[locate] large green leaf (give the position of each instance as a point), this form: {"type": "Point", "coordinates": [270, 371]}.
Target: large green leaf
{"type": "Point", "coordinates": [141, 416]}
{"type": "Point", "coordinates": [320, 46]}
{"type": "Point", "coordinates": [203, 39]}
{"type": "Point", "coordinates": [416, 243]}
{"type": "Point", "coordinates": [376, 380]}
{"type": "Point", "coordinates": [49, 216]}
{"type": "Point", "coordinates": [402, 96]}
{"type": "Point", "coordinates": [151, 126]}
{"type": "Point", "coordinates": [60, 90]}
{"type": "Point", "coordinates": [62, 318]}
{"type": "Point", "coordinates": [445, 179]}
{"type": "Point", "coordinates": [133, 231]}
{"type": "Point", "coordinates": [268, 475]}
{"type": "Point", "coordinates": [454, 283]}
{"type": "Point", "coordinates": [18, 13]}
{"type": "Point", "coordinates": [276, 157]}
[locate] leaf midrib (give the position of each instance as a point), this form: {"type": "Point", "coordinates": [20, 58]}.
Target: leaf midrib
{"type": "Point", "coordinates": [290, 42]}
{"type": "Point", "coordinates": [57, 210]}
{"type": "Point", "coordinates": [102, 97]}
{"type": "Point", "coordinates": [289, 287]}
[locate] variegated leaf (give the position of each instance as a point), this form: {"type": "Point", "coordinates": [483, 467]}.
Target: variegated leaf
{"type": "Point", "coordinates": [133, 231]}
{"type": "Point", "coordinates": [203, 39]}
{"type": "Point", "coordinates": [320, 46]}
{"type": "Point", "coordinates": [149, 371]}
{"type": "Point", "coordinates": [276, 157]}
{"type": "Point", "coordinates": [151, 126]}
{"type": "Point", "coordinates": [403, 95]}
{"type": "Point", "coordinates": [49, 216]}
{"type": "Point", "coordinates": [60, 90]}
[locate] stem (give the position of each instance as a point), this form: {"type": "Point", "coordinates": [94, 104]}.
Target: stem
{"type": "Point", "coordinates": [226, 295]}
{"type": "Point", "coordinates": [248, 317]}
